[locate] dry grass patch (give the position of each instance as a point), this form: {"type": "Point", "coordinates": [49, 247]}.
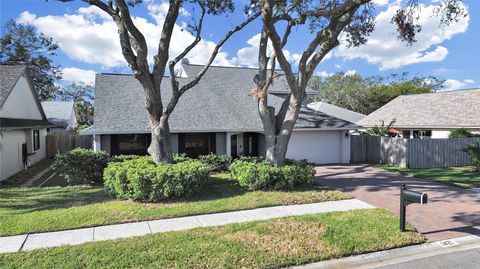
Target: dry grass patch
{"type": "Point", "coordinates": [263, 244]}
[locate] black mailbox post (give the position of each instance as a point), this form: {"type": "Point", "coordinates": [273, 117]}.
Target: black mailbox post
{"type": "Point", "coordinates": [409, 197]}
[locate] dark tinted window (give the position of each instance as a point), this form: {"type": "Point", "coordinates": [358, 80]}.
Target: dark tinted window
{"type": "Point", "coordinates": [36, 139]}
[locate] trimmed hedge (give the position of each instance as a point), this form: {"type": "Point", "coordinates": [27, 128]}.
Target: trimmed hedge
{"type": "Point", "coordinates": [260, 175]}
{"type": "Point", "coordinates": [216, 163]}
{"type": "Point", "coordinates": [141, 179]}
{"type": "Point", "coordinates": [81, 166]}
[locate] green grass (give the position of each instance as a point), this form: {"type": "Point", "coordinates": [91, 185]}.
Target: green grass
{"type": "Point", "coordinates": [263, 244]}
{"type": "Point", "coordinates": [458, 176]}
{"type": "Point", "coordinates": [29, 210]}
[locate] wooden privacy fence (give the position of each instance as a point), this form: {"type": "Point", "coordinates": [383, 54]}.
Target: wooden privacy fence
{"type": "Point", "coordinates": [64, 141]}
{"type": "Point", "coordinates": [411, 153]}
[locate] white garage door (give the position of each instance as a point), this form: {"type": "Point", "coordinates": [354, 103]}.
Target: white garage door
{"type": "Point", "coordinates": [319, 147]}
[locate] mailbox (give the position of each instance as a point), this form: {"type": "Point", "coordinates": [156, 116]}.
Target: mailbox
{"type": "Point", "coordinates": [413, 197]}
{"type": "Point", "coordinates": [409, 197]}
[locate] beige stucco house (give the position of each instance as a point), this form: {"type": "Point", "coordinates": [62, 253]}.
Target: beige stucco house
{"type": "Point", "coordinates": [23, 125]}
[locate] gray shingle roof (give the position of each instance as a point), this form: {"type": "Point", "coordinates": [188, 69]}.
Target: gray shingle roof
{"type": "Point", "coordinates": [9, 75]}
{"type": "Point", "coordinates": [220, 102]}
{"type": "Point", "coordinates": [337, 111]}
{"type": "Point", "coordinates": [58, 112]}
{"type": "Point", "coordinates": [452, 109]}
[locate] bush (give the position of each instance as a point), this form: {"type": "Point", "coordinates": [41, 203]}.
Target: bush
{"type": "Point", "coordinates": [181, 157]}
{"type": "Point", "coordinates": [473, 152]}
{"type": "Point", "coordinates": [460, 133]}
{"type": "Point", "coordinates": [81, 166]}
{"type": "Point", "coordinates": [263, 176]}
{"type": "Point", "coordinates": [216, 163]}
{"type": "Point", "coordinates": [121, 158]}
{"type": "Point", "coordinates": [141, 179]}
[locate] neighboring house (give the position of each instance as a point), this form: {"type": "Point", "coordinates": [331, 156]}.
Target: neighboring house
{"type": "Point", "coordinates": [61, 114]}
{"type": "Point", "coordinates": [218, 115]}
{"type": "Point", "coordinates": [23, 125]}
{"type": "Point", "coordinates": [430, 115]}
{"type": "Point", "coordinates": [336, 111]}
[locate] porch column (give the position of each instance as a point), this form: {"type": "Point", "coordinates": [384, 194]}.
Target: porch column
{"type": "Point", "coordinates": [97, 144]}
{"type": "Point", "coordinates": [228, 145]}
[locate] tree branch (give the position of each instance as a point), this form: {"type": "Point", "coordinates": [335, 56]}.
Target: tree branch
{"type": "Point", "coordinates": [189, 85]}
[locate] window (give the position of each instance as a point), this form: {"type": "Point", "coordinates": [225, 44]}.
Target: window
{"type": "Point", "coordinates": [130, 144]}
{"type": "Point", "coordinates": [36, 139]}
{"type": "Point", "coordinates": [196, 144]}
{"type": "Point", "coordinates": [422, 133]}
{"type": "Point", "coordinates": [406, 133]}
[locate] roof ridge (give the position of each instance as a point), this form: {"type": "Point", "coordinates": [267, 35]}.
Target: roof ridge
{"type": "Point", "coordinates": [439, 92]}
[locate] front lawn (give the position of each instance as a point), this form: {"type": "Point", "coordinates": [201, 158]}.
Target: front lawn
{"type": "Point", "coordinates": [458, 176]}
{"type": "Point", "coordinates": [263, 244]}
{"type": "Point", "coordinates": [30, 210]}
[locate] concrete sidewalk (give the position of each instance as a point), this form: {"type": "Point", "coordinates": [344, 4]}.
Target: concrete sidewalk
{"type": "Point", "coordinates": [79, 236]}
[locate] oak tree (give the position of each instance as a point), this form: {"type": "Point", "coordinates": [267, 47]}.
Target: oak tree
{"type": "Point", "coordinates": [326, 19]}
{"type": "Point", "coordinates": [134, 50]}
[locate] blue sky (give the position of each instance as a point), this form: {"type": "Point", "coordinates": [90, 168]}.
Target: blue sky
{"type": "Point", "coordinates": [89, 43]}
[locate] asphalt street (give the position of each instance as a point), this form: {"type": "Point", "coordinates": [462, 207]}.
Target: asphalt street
{"type": "Point", "coordinates": [466, 259]}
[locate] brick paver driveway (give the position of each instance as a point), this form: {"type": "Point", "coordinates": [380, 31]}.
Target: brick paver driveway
{"type": "Point", "coordinates": [450, 212]}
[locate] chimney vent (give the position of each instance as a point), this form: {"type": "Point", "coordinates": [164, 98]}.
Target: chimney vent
{"type": "Point", "coordinates": [185, 61]}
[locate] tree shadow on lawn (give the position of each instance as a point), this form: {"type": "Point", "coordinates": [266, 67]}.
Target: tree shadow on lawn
{"type": "Point", "coordinates": [25, 200]}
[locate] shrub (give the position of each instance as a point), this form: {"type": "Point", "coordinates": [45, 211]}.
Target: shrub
{"type": "Point", "coordinates": [121, 158]}
{"type": "Point", "coordinates": [473, 152]}
{"type": "Point", "coordinates": [81, 166]}
{"type": "Point", "coordinates": [460, 133]}
{"type": "Point", "coordinates": [216, 163]}
{"type": "Point", "coordinates": [181, 157]}
{"type": "Point", "coordinates": [263, 176]}
{"type": "Point", "coordinates": [142, 180]}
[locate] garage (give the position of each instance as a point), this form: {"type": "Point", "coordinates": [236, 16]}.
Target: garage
{"type": "Point", "coordinates": [320, 146]}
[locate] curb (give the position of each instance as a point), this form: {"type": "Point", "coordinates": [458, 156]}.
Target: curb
{"type": "Point", "coordinates": [399, 255]}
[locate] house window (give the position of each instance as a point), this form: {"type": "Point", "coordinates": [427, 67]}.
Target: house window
{"type": "Point", "coordinates": [130, 144]}
{"type": "Point", "coordinates": [406, 133]}
{"type": "Point", "coordinates": [196, 144]}
{"type": "Point", "coordinates": [422, 133]}
{"type": "Point", "coordinates": [36, 139]}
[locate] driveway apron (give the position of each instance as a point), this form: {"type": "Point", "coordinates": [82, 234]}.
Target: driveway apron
{"type": "Point", "coordinates": [451, 211]}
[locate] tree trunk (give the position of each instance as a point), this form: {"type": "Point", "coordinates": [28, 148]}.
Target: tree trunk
{"type": "Point", "coordinates": [160, 147]}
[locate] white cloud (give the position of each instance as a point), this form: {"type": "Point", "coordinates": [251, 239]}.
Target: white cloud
{"type": "Point", "coordinates": [324, 74]}
{"type": "Point", "coordinates": [351, 72]}
{"type": "Point", "coordinates": [248, 56]}
{"type": "Point", "coordinates": [380, 2]}
{"type": "Point", "coordinates": [90, 36]}
{"type": "Point", "coordinates": [385, 50]}
{"type": "Point", "coordinates": [453, 84]}
{"type": "Point", "coordinates": [73, 74]}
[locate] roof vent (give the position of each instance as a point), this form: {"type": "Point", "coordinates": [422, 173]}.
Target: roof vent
{"type": "Point", "coordinates": [185, 61]}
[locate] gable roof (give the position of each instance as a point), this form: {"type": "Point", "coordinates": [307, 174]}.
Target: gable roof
{"type": "Point", "coordinates": [220, 102]}
{"type": "Point", "coordinates": [9, 75]}
{"type": "Point", "coordinates": [58, 112]}
{"type": "Point", "coordinates": [336, 111]}
{"type": "Point", "coordinates": [453, 109]}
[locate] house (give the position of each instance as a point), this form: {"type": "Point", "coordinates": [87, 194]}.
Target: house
{"type": "Point", "coordinates": [336, 111]}
{"type": "Point", "coordinates": [23, 125]}
{"type": "Point", "coordinates": [61, 114]}
{"type": "Point", "coordinates": [218, 115]}
{"type": "Point", "coordinates": [430, 115]}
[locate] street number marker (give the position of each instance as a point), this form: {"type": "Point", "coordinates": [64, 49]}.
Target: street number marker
{"type": "Point", "coordinates": [447, 243]}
